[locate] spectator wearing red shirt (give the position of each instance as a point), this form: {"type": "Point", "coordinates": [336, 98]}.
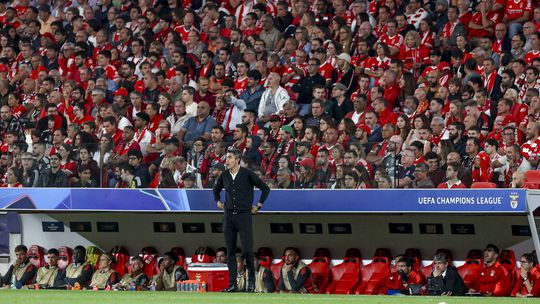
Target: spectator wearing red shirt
{"type": "Point", "coordinates": [453, 182]}
{"type": "Point", "coordinates": [516, 12]}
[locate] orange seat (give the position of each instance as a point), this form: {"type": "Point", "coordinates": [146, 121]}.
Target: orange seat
{"type": "Point", "coordinates": [483, 185]}
{"type": "Point", "coordinates": [36, 255]}
{"type": "Point", "coordinates": [65, 257]}
{"type": "Point", "coordinates": [373, 274]}
{"type": "Point", "coordinates": [346, 276]}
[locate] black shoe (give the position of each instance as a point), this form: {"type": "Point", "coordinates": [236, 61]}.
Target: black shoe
{"type": "Point", "coordinates": [250, 287]}
{"type": "Point", "coordinates": [231, 289]}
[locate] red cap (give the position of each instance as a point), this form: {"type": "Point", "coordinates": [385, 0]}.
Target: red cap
{"type": "Point", "coordinates": [42, 68]}
{"type": "Point", "coordinates": [364, 127]}
{"type": "Point", "coordinates": [3, 68]}
{"type": "Point", "coordinates": [308, 163]}
{"type": "Point", "coordinates": [50, 36]}
{"type": "Point", "coordinates": [139, 86]}
{"type": "Point", "coordinates": [121, 92]}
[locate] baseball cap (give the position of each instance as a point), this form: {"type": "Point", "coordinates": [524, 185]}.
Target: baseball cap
{"type": "Point", "coordinates": [3, 68]}
{"type": "Point", "coordinates": [275, 117]}
{"type": "Point", "coordinates": [121, 92]}
{"type": "Point", "coordinates": [364, 127]}
{"type": "Point", "coordinates": [288, 129]}
{"type": "Point", "coordinates": [308, 163]}
{"type": "Point", "coordinates": [339, 85]}
{"type": "Point", "coordinates": [345, 57]}
{"type": "Point", "coordinates": [44, 8]}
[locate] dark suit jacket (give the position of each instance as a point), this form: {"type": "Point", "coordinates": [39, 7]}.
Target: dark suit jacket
{"type": "Point", "coordinates": [453, 282]}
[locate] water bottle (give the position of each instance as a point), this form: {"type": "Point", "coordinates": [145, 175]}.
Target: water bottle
{"type": "Point", "coordinates": [153, 286]}
{"type": "Point", "coordinates": [14, 282]}
{"type": "Point", "coordinates": [203, 289]}
{"type": "Point", "coordinates": [178, 286]}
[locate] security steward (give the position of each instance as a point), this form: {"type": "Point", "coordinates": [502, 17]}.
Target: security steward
{"type": "Point", "coordinates": [46, 275]}
{"type": "Point", "coordinates": [79, 272]}
{"type": "Point", "coordinates": [238, 183]}
{"type": "Point", "coordinates": [22, 269]}
{"type": "Point", "coordinates": [136, 279]}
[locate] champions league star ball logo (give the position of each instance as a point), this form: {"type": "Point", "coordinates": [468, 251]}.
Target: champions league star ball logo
{"type": "Point", "coordinates": [513, 200]}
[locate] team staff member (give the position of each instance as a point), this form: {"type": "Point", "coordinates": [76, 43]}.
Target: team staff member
{"type": "Point", "coordinates": [238, 183]}
{"type": "Point", "coordinates": [528, 278]}
{"type": "Point", "coordinates": [445, 279]}
{"type": "Point", "coordinates": [46, 275]}
{"type": "Point", "coordinates": [494, 278]}
{"type": "Point", "coordinates": [78, 272]}
{"type": "Point", "coordinates": [403, 277]}
{"type": "Point", "coordinates": [170, 273]}
{"type": "Point", "coordinates": [22, 269]}
{"type": "Point", "coordinates": [136, 278]}
{"type": "Point", "coordinates": [105, 276]}
{"type": "Point", "coordinates": [295, 275]}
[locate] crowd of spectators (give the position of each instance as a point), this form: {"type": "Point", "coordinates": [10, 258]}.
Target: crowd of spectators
{"type": "Point", "coordinates": [315, 94]}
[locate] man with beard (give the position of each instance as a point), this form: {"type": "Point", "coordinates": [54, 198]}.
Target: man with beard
{"type": "Point", "coordinates": [433, 84]}
{"type": "Point", "coordinates": [436, 65]}
{"type": "Point", "coordinates": [304, 87]}
{"type": "Point", "coordinates": [492, 80]}
{"type": "Point", "coordinates": [205, 70]}
{"type": "Point", "coordinates": [22, 269]}
{"type": "Point", "coordinates": [170, 273]}
{"type": "Point", "coordinates": [531, 148]}
{"type": "Point", "coordinates": [136, 278]}
{"type": "Point", "coordinates": [295, 275]}
{"type": "Point", "coordinates": [494, 278]}
{"type": "Point", "coordinates": [403, 277]}
{"type": "Point", "coordinates": [217, 79]}
{"type": "Point", "coordinates": [508, 78]}
{"type": "Point", "coordinates": [238, 209]}
{"type": "Point", "coordinates": [252, 95]}
{"type": "Point", "coordinates": [358, 114]}
{"type": "Point", "coordinates": [456, 135]}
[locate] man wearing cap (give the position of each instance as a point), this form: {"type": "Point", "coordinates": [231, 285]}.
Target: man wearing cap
{"type": "Point", "coordinates": [273, 99]}
{"type": "Point", "coordinates": [343, 104]}
{"type": "Point", "coordinates": [494, 278]}
{"type": "Point", "coordinates": [238, 208]}
{"type": "Point", "coordinates": [142, 136]}
{"type": "Point", "coordinates": [44, 13]}
{"type": "Point", "coordinates": [436, 65]}
{"type": "Point", "coordinates": [286, 141]}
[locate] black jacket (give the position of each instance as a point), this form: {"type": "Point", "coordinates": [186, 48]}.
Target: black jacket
{"type": "Point", "coordinates": [239, 192]}
{"type": "Point", "coordinates": [304, 87]}
{"type": "Point", "coordinates": [451, 282]}
{"type": "Point", "coordinates": [49, 179]}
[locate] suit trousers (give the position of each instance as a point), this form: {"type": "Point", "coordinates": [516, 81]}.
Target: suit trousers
{"type": "Point", "coordinates": [239, 223]}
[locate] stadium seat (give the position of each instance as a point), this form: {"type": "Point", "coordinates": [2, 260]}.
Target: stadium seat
{"type": "Point", "coordinates": [36, 255]}
{"type": "Point", "coordinates": [320, 269]}
{"type": "Point", "coordinates": [483, 185]}
{"type": "Point", "coordinates": [65, 257]}
{"type": "Point", "coordinates": [532, 179]}
{"type": "Point", "coordinates": [507, 258]}
{"type": "Point", "coordinates": [149, 256]}
{"type": "Point", "coordinates": [414, 253]}
{"type": "Point", "coordinates": [122, 258]}
{"type": "Point", "coordinates": [346, 276]}
{"type": "Point", "coordinates": [179, 251]}
{"type": "Point", "coordinates": [203, 255]}
{"type": "Point", "coordinates": [470, 271]}
{"type": "Point", "coordinates": [265, 256]}
{"type": "Point", "coordinates": [383, 252]}
{"type": "Point", "coordinates": [373, 274]}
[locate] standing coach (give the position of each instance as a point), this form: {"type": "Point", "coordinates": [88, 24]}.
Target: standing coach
{"type": "Point", "coordinates": [238, 183]}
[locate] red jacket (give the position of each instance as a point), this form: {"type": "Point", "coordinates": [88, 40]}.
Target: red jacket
{"type": "Point", "coordinates": [494, 279]}
{"type": "Point", "coordinates": [394, 281]}
{"type": "Point", "coordinates": [534, 277]}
